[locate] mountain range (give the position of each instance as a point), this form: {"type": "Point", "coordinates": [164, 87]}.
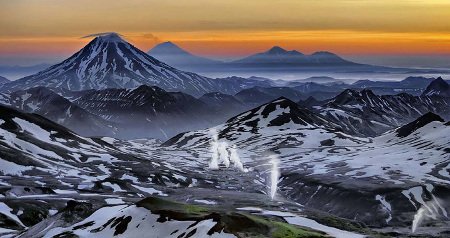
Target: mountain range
{"type": "Point", "coordinates": [45, 102]}
{"type": "Point", "coordinates": [364, 113]}
{"type": "Point", "coordinates": [161, 113]}
{"type": "Point", "coordinates": [276, 57]}
{"type": "Point", "coordinates": [279, 57]}
{"type": "Point", "coordinates": [100, 179]}
{"type": "Point", "coordinates": [122, 113]}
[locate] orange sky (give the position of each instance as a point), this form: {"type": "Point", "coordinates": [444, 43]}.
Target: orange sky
{"type": "Point", "coordinates": [231, 28]}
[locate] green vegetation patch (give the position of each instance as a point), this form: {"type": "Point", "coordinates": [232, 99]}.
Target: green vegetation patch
{"type": "Point", "coordinates": [240, 224]}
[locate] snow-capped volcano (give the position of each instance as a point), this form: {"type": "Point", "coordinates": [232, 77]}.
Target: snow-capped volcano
{"type": "Point", "coordinates": [108, 61]}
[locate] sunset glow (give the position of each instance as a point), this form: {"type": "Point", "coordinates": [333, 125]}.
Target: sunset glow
{"type": "Point", "coordinates": [230, 29]}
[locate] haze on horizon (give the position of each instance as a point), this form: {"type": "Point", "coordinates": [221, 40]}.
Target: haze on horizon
{"type": "Point", "coordinates": [398, 33]}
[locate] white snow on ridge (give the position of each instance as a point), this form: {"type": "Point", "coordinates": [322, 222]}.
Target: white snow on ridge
{"type": "Point", "coordinates": [34, 129]}
{"type": "Point", "coordinates": [207, 202]}
{"type": "Point", "coordinates": [386, 206]}
{"type": "Point", "coordinates": [10, 168]}
{"type": "Point", "coordinates": [149, 190]}
{"type": "Point", "coordinates": [5, 210]}
{"type": "Point", "coordinates": [141, 223]}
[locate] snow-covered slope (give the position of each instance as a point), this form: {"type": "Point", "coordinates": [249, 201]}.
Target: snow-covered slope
{"type": "Point", "coordinates": [31, 144]}
{"type": "Point", "coordinates": [109, 61]}
{"type": "Point", "coordinates": [165, 218]}
{"type": "Point", "coordinates": [280, 122]}
{"type": "Point", "coordinates": [382, 181]}
{"type": "Point", "coordinates": [55, 183]}
{"type": "Point", "coordinates": [44, 165]}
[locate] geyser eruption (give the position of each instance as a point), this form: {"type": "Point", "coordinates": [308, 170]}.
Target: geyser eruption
{"type": "Point", "coordinates": [274, 175]}
{"type": "Point", "coordinates": [418, 218]}
{"type": "Point", "coordinates": [214, 162]}
{"type": "Point", "coordinates": [429, 210]}
{"type": "Point", "coordinates": [222, 153]}
{"type": "Point", "coordinates": [235, 159]}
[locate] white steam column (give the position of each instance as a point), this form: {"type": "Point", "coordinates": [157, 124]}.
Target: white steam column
{"type": "Point", "coordinates": [274, 175]}
{"type": "Point", "coordinates": [222, 153]}
{"type": "Point", "coordinates": [214, 162]}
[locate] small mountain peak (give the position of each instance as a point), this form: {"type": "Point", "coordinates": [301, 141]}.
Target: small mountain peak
{"type": "Point", "coordinates": [439, 81]}
{"type": "Point", "coordinates": [276, 50]}
{"type": "Point", "coordinates": [420, 122]}
{"type": "Point", "coordinates": [350, 92]}
{"type": "Point", "coordinates": [281, 111]}
{"type": "Point", "coordinates": [324, 53]}
{"type": "Point", "coordinates": [309, 102]}
{"type": "Point", "coordinates": [168, 47]}
{"type": "Point", "coordinates": [416, 79]}
{"type": "Point", "coordinates": [281, 99]}
{"type": "Point", "coordinates": [437, 87]}
{"type": "Point", "coordinates": [368, 92]}
{"type": "Point", "coordinates": [168, 43]}
{"type": "Point", "coordinates": [346, 96]}
{"type": "Point", "coordinates": [147, 88]}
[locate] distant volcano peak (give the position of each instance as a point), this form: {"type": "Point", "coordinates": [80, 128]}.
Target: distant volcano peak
{"type": "Point", "coordinates": [168, 47]}
{"type": "Point", "coordinates": [276, 50]}
{"type": "Point", "coordinates": [323, 53]}
{"type": "Point", "coordinates": [169, 43]}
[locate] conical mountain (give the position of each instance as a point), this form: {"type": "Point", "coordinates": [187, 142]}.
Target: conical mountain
{"type": "Point", "coordinates": [108, 61]}
{"type": "Point", "coordinates": [174, 55]}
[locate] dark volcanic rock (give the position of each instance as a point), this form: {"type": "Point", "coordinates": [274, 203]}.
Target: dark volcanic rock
{"type": "Point", "coordinates": [409, 128]}
{"type": "Point", "coordinates": [438, 87]}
